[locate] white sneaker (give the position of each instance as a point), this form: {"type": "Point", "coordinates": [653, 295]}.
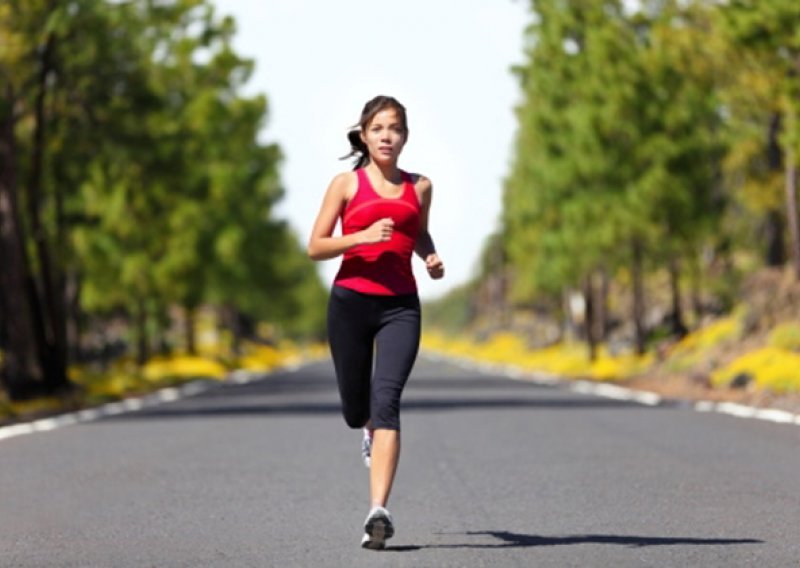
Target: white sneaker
{"type": "Point", "coordinates": [366, 447]}
{"type": "Point", "coordinates": [377, 528]}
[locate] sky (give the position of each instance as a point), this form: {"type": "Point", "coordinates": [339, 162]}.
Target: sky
{"type": "Point", "coordinates": [448, 62]}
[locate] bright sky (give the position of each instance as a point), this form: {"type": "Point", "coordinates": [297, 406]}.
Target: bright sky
{"type": "Point", "coordinates": [448, 62]}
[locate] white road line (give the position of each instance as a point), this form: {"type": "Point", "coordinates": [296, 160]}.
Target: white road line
{"type": "Point", "coordinates": [621, 393]}
{"type": "Point", "coordinates": [742, 411]}
{"type": "Point", "coordinates": [132, 404]}
{"type": "Point", "coordinates": [44, 425]}
{"type": "Point", "coordinates": [169, 394]}
{"type": "Point", "coordinates": [779, 416]}
{"type": "Point", "coordinates": [704, 406]}
{"type": "Point", "coordinates": [16, 430]}
{"type": "Point", "coordinates": [735, 409]}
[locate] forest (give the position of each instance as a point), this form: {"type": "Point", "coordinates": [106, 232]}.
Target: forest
{"type": "Point", "coordinates": [134, 191]}
{"type": "Point", "coordinates": [651, 190]}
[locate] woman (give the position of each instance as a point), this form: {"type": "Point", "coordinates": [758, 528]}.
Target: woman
{"type": "Point", "coordinates": [374, 308]}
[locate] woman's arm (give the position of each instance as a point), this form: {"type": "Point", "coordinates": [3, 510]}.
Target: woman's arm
{"type": "Point", "coordinates": [322, 245]}
{"type": "Point", "coordinates": [424, 247]}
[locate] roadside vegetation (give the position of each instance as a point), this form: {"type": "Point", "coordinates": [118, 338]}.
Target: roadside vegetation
{"type": "Point", "coordinates": [137, 198]}
{"type": "Point", "coordinates": [649, 231]}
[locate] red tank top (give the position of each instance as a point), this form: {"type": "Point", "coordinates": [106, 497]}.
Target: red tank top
{"type": "Point", "coordinates": [382, 269]}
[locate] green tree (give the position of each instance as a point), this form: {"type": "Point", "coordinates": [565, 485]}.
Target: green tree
{"type": "Point", "coordinates": [132, 180]}
{"type": "Point", "coordinates": [617, 152]}
{"type": "Point", "coordinates": [565, 210]}
{"type": "Point", "coordinates": [768, 30]}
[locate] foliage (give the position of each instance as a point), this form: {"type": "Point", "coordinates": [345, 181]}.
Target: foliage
{"type": "Point", "coordinates": [772, 368]}
{"type": "Point", "coordinates": [452, 312]}
{"type": "Point", "coordinates": [562, 359]}
{"type": "Point", "coordinates": [140, 169]}
{"type": "Point", "coordinates": [785, 336]}
{"type": "Point", "coordinates": [672, 125]}
{"type": "Point", "coordinates": [638, 136]}
{"type": "Point", "coordinates": [696, 346]}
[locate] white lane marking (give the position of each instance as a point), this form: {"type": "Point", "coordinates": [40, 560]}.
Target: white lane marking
{"type": "Point", "coordinates": [616, 392]}
{"type": "Point", "coordinates": [704, 406]}
{"type": "Point", "coordinates": [735, 409]}
{"type": "Point", "coordinates": [648, 398]}
{"type": "Point", "coordinates": [44, 424]}
{"type": "Point", "coordinates": [169, 394]}
{"type": "Point", "coordinates": [132, 404]}
{"type": "Point", "coordinates": [779, 416]}
{"type": "Point", "coordinates": [16, 430]}
{"type": "Point", "coordinates": [621, 393]}
{"type": "Point", "coordinates": [112, 409]}
{"type": "Point", "coordinates": [240, 377]}
{"type": "Point", "coordinates": [742, 411]}
{"type": "Point", "coordinates": [88, 415]}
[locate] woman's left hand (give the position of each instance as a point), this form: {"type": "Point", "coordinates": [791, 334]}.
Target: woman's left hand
{"type": "Point", "coordinates": [434, 265]}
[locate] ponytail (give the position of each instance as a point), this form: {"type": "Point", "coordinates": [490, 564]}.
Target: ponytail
{"type": "Point", "coordinates": [358, 149]}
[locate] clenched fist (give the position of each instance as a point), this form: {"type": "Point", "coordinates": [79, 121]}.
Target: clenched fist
{"type": "Point", "coordinates": [380, 231]}
{"type": "Point", "coordinates": [434, 265]}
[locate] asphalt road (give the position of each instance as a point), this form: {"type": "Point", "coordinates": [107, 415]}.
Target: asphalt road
{"type": "Point", "coordinates": [494, 472]}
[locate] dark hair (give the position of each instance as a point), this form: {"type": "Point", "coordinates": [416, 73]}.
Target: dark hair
{"type": "Point", "coordinates": [358, 148]}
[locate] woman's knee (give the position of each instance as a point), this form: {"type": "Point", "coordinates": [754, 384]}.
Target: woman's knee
{"type": "Point", "coordinates": [386, 414]}
{"type": "Point", "coordinates": [355, 418]}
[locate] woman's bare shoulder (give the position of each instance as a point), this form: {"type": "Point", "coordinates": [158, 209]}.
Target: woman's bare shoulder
{"type": "Point", "coordinates": [423, 188]}
{"type": "Point", "coordinates": [421, 182]}
{"type": "Point", "coordinates": [344, 184]}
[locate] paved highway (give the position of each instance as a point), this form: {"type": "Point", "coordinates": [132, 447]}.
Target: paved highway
{"type": "Point", "coordinates": [494, 472]}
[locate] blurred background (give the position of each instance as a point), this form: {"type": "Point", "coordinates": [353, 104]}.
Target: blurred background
{"type": "Point", "coordinates": [615, 185]}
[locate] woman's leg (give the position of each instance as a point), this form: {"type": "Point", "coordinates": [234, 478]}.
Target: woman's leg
{"type": "Point", "coordinates": [397, 344]}
{"type": "Point", "coordinates": [384, 460]}
{"type": "Point", "coordinates": [350, 337]}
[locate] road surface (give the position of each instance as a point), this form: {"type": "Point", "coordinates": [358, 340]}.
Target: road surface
{"type": "Point", "coordinates": [494, 472]}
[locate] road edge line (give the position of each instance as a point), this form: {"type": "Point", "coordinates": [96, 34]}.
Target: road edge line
{"type": "Point", "coordinates": [616, 392]}
{"type": "Point", "coordinates": [137, 403]}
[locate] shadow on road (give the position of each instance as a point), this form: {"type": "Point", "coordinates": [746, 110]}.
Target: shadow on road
{"type": "Point", "coordinates": [516, 540]}
{"type": "Point", "coordinates": [313, 392]}
{"type": "Point", "coordinates": [216, 407]}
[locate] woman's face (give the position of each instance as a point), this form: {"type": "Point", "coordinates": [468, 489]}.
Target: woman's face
{"type": "Point", "coordinates": [385, 136]}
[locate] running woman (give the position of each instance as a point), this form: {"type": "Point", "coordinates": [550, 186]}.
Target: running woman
{"type": "Point", "coordinates": [374, 310]}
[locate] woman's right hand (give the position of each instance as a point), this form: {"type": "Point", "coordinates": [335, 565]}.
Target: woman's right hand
{"type": "Point", "coordinates": [380, 231]}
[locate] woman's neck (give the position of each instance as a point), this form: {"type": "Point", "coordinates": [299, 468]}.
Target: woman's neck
{"type": "Point", "coordinates": [390, 172]}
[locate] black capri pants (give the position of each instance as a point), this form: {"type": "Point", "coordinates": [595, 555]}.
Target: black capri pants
{"type": "Point", "coordinates": [358, 326]}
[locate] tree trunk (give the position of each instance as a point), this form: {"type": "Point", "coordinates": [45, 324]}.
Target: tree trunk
{"type": "Point", "coordinates": [189, 330]}
{"type": "Point", "coordinates": [237, 330]}
{"type": "Point", "coordinates": [72, 313]}
{"type": "Point", "coordinates": [20, 371]}
{"type": "Point", "coordinates": [791, 210]}
{"type": "Point", "coordinates": [601, 305]}
{"type": "Point", "coordinates": [589, 319]}
{"type": "Point", "coordinates": [776, 249]}
{"type": "Point", "coordinates": [696, 275]}
{"type": "Point", "coordinates": [50, 299]}
{"type": "Point", "coordinates": [775, 253]}
{"type": "Point", "coordinates": [638, 296]}
{"type": "Point", "coordinates": [678, 327]}
{"type": "Point", "coordinates": [142, 338]}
